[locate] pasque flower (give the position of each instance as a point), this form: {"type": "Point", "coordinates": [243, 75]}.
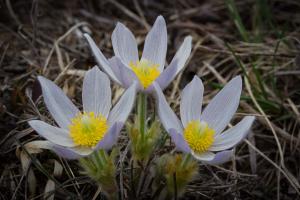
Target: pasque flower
{"type": "Point", "coordinates": [126, 67]}
{"type": "Point", "coordinates": [97, 127]}
{"type": "Point", "coordinates": [200, 134]}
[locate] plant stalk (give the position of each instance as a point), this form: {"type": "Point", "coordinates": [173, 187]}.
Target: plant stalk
{"type": "Point", "coordinates": [142, 113]}
{"type": "Point", "coordinates": [186, 159]}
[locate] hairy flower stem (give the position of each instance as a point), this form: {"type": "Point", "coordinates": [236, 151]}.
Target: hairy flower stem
{"type": "Point", "coordinates": [142, 113]}
{"type": "Point", "coordinates": [185, 161]}
{"type": "Point", "coordinates": [100, 166]}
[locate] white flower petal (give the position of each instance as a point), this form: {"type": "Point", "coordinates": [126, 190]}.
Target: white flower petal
{"type": "Point", "coordinates": [167, 116]}
{"type": "Point", "coordinates": [177, 63]}
{"type": "Point", "coordinates": [191, 101]}
{"type": "Point", "coordinates": [222, 107]}
{"type": "Point", "coordinates": [206, 156]}
{"type": "Point", "coordinates": [156, 43]}
{"type": "Point", "coordinates": [221, 157]}
{"type": "Point", "coordinates": [58, 104]}
{"type": "Point", "coordinates": [122, 109]}
{"type": "Point", "coordinates": [53, 134]}
{"type": "Point", "coordinates": [179, 141]}
{"type": "Point", "coordinates": [232, 136]}
{"type": "Point", "coordinates": [100, 58]}
{"type": "Point", "coordinates": [124, 44]}
{"type": "Point", "coordinates": [124, 74]}
{"type": "Point", "coordinates": [96, 92]}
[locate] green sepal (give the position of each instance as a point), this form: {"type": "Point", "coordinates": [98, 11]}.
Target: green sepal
{"type": "Point", "coordinates": [143, 146]}
{"type": "Point", "coordinates": [100, 167]}
{"type": "Point", "coordinates": [176, 171]}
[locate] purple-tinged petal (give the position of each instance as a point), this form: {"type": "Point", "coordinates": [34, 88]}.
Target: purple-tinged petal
{"type": "Point", "coordinates": [179, 141]}
{"type": "Point", "coordinates": [222, 107]}
{"type": "Point", "coordinates": [65, 152]}
{"type": "Point", "coordinates": [100, 58]}
{"type": "Point", "coordinates": [206, 156]}
{"type": "Point", "coordinates": [122, 109]}
{"type": "Point", "coordinates": [177, 63]}
{"type": "Point", "coordinates": [53, 134]}
{"type": "Point", "coordinates": [191, 101]}
{"type": "Point", "coordinates": [232, 136]}
{"type": "Point", "coordinates": [167, 116]}
{"type": "Point", "coordinates": [72, 153]}
{"type": "Point", "coordinates": [156, 43]}
{"type": "Point", "coordinates": [221, 157]}
{"type": "Point", "coordinates": [124, 74]}
{"type": "Point", "coordinates": [111, 137]}
{"type": "Point", "coordinates": [59, 105]}
{"type": "Point", "coordinates": [124, 44]}
{"type": "Point", "coordinates": [96, 92]}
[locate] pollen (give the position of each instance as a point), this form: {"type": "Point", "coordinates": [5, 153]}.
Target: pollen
{"type": "Point", "coordinates": [146, 71]}
{"type": "Point", "coordinates": [87, 129]}
{"type": "Point", "coordinates": [199, 136]}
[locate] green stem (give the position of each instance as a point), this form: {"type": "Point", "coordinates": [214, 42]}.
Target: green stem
{"type": "Point", "coordinates": [142, 112]}
{"type": "Point", "coordinates": [186, 159]}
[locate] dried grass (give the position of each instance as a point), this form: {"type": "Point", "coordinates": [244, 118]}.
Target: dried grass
{"type": "Point", "coordinates": [45, 38]}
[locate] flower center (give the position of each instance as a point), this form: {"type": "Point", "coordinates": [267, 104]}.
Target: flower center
{"type": "Point", "coordinates": [87, 129]}
{"type": "Point", "coordinates": [199, 136]}
{"type": "Point", "coordinates": [146, 71]}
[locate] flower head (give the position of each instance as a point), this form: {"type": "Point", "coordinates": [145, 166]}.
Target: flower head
{"type": "Point", "coordinates": [97, 127]}
{"type": "Point", "coordinates": [87, 129]}
{"type": "Point", "coordinates": [201, 133]}
{"type": "Point", "coordinates": [126, 67]}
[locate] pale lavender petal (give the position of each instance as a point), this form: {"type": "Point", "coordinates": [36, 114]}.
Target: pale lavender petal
{"type": "Point", "coordinates": [156, 43]}
{"type": "Point", "coordinates": [122, 109]}
{"type": "Point", "coordinates": [149, 89]}
{"type": "Point", "coordinates": [191, 101]}
{"type": "Point", "coordinates": [232, 136]}
{"type": "Point", "coordinates": [96, 92]}
{"type": "Point", "coordinates": [59, 105]}
{"type": "Point", "coordinates": [124, 44]}
{"type": "Point", "coordinates": [100, 58]}
{"type": "Point", "coordinates": [222, 107]}
{"type": "Point", "coordinates": [177, 63]}
{"type": "Point", "coordinates": [221, 157]}
{"type": "Point", "coordinates": [53, 134]}
{"type": "Point", "coordinates": [72, 153]}
{"type": "Point", "coordinates": [179, 141]}
{"type": "Point", "coordinates": [167, 116]}
{"type": "Point", "coordinates": [206, 156]}
{"type": "Point", "coordinates": [65, 152]}
{"type": "Point", "coordinates": [111, 137]}
{"type": "Point", "coordinates": [124, 74]}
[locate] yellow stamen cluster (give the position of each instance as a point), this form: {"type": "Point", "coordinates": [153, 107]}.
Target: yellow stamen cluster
{"type": "Point", "coordinates": [87, 129]}
{"type": "Point", "coordinates": [199, 136]}
{"type": "Point", "coordinates": [146, 71]}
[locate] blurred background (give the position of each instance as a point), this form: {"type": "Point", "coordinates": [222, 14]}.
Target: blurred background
{"type": "Point", "coordinates": [258, 39]}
